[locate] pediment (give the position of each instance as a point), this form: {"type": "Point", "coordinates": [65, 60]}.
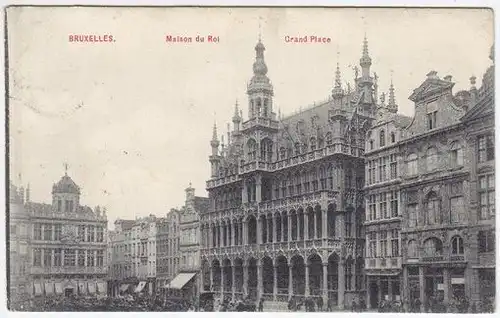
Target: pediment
{"type": "Point", "coordinates": [430, 87]}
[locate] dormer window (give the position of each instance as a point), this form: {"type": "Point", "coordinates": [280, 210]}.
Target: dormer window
{"type": "Point", "coordinates": [432, 115]}
{"type": "Point", "coordinates": [382, 138]}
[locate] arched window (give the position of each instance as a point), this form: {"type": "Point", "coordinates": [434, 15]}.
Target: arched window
{"type": "Point", "coordinates": [259, 107]}
{"type": "Point", "coordinates": [266, 110]}
{"type": "Point", "coordinates": [329, 139]}
{"type": "Point", "coordinates": [457, 245]}
{"type": "Point", "coordinates": [431, 159]}
{"type": "Point", "coordinates": [412, 249]}
{"type": "Point", "coordinates": [456, 155]}
{"type": "Point", "coordinates": [393, 137]}
{"type": "Point", "coordinates": [282, 153]}
{"type": "Point", "coordinates": [252, 149]}
{"type": "Point", "coordinates": [382, 138]}
{"type": "Point", "coordinates": [266, 150]}
{"type": "Point", "coordinates": [433, 247]}
{"type": "Point", "coordinates": [433, 209]}
{"type": "Point", "coordinates": [313, 143]}
{"type": "Point", "coordinates": [371, 144]}
{"type": "Point", "coordinates": [412, 164]}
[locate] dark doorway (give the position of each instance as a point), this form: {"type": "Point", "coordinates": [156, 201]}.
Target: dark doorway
{"type": "Point", "coordinates": [373, 295]}
{"type": "Point", "coordinates": [68, 292]}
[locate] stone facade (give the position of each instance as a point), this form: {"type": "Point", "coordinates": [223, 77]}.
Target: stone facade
{"type": "Point", "coordinates": [62, 246]}
{"type": "Point", "coordinates": [286, 204]}
{"type": "Point", "coordinates": [167, 249]}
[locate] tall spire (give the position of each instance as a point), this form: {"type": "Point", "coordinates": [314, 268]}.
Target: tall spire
{"type": "Point", "coordinates": [392, 100]}
{"type": "Point", "coordinates": [337, 91]}
{"type": "Point", "coordinates": [365, 60]}
{"type": "Point", "coordinates": [236, 116]}
{"type": "Point", "coordinates": [214, 133]}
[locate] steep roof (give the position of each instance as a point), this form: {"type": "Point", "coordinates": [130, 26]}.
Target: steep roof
{"type": "Point", "coordinates": [66, 185]}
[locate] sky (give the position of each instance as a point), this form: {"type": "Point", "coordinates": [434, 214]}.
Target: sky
{"type": "Point", "coordinates": [133, 118]}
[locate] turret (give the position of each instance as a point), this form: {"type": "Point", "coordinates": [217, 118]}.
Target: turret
{"type": "Point", "coordinates": [236, 118]}
{"type": "Point", "coordinates": [365, 62]}
{"type": "Point", "coordinates": [337, 91]}
{"type": "Point", "coordinates": [214, 158]}
{"type": "Point", "coordinates": [260, 90]}
{"type": "Point", "coordinates": [392, 107]}
{"type": "Point", "coordinates": [65, 194]}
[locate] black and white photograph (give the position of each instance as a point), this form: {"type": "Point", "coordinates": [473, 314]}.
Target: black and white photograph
{"type": "Point", "coordinates": [250, 159]}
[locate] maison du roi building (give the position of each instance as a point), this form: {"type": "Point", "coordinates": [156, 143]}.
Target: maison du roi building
{"type": "Point", "coordinates": [294, 211]}
{"type": "Point", "coordinates": [56, 249]}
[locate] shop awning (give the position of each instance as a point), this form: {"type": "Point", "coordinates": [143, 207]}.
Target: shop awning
{"type": "Point", "coordinates": [101, 289]}
{"type": "Point", "coordinates": [59, 289]}
{"type": "Point", "coordinates": [181, 280]}
{"type": "Point", "coordinates": [123, 287]}
{"type": "Point", "coordinates": [49, 289]}
{"type": "Point", "coordinates": [91, 287]}
{"type": "Point", "coordinates": [140, 287]}
{"type": "Point", "coordinates": [82, 288]}
{"type": "Point", "coordinates": [38, 289]}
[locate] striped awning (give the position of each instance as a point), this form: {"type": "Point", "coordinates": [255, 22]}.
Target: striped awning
{"type": "Point", "coordinates": [59, 289]}
{"type": "Point", "coordinates": [82, 288]}
{"type": "Point", "coordinates": [181, 280]}
{"type": "Point", "coordinates": [49, 289]}
{"type": "Point", "coordinates": [140, 287]}
{"type": "Point", "coordinates": [123, 287]}
{"type": "Point", "coordinates": [38, 289]}
{"type": "Point", "coordinates": [91, 287]}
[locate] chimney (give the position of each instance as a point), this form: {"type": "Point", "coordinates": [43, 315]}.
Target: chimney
{"type": "Point", "coordinates": [432, 75]}
{"type": "Point", "coordinates": [448, 78]}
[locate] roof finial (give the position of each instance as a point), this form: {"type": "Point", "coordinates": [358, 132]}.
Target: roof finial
{"type": "Point", "coordinates": [65, 168]}
{"type": "Point", "coordinates": [337, 71]}
{"type": "Point", "coordinates": [260, 29]}
{"type": "Point", "coordinates": [392, 99]}
{"type": "Point", "coordinates": [214, 133]}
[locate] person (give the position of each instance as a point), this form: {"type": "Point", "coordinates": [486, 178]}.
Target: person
{"type": "Point", "coordinates": [261, 305]}
{"type": "Point", "coordinates": [362, 305]}
{"type": "Point", "coordinates": [354, 307]}
{"type": "Point", "coordinates": [320, 304]}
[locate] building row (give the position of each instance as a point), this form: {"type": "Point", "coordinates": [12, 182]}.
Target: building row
{"type": "Point", "coordinates": [350, 201]}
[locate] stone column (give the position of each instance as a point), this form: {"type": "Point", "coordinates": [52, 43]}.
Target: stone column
{"type": "Point", "coordinates": [289, 219]}
{"type": "Point", "coordinates": [274, 229]}
{"type": "Point", "coordinates": [233, 232]}
{"type": "Point", "coordinates": [269, 229]}
{"type": "Point", "coordinates": [245, 232]}
{"type": "Point", "coordinates": [405, 288]}
{"type": "Point", "coordinates": [389, 288]}
{"type": "Point", "coordinates": [306, 225]}
{"type": "Point", "coordinates": [240, 233]}
{"type": "Point", "coordinates": [259, 279]}
{"type": "Point", "coordinates": [258, 187]}
{"type": "Point", "coordinates": [325, 283]}
{"type": "Point", "coordinates": [369, 295]}
{"type": "Point", "coordinates": [233, 281]}
{"type": "Point", "coordinates": [259, 230]}
{"type": "Point", "coordinates": [324, 222]}
{"type": "Point", "coordinates": [275, 282]}
{"type": "Point", "coordinates": [202, 279]}
{"type": "Point", "coordinates": [446, 285]}
{"type": "Point", "coordinates": [379, 288]}
{"type": "Point", "coordinates": [222, 280]}
{"type": "Point", "coordinates": [245, 279]}
{"type": "Point", "coordinates": [316, 234]}
{"type": "Point", "coordinates": [341, 288]}
{"type": "Point", "coordinates": [244, 193]}
{"type": "Point", "coordinates": [421, 287]}
{"type": "Point", "coordinates": [282, 228]}
{"type": "Point", "coordinates": [307, 291]}
{"type": "Point", "coordinates": [211, 278]}
{"type": "Point", "coordinates": [290, 280]}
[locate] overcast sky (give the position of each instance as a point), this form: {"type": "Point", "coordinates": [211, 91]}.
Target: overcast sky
{"type": "Point", "coordinates": [133, 118]}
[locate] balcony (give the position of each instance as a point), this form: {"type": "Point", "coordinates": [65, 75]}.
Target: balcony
{"type": "Point", "coordinates": [383, 263]}
{"type": "Point", "coordinates": [259, 121]}
{"type": "Point", "coordinates": [222, 181]}
{"type": "Point", "coordinates": [68, 270]}
{"type": "Point", "coordinates": [312, 198]}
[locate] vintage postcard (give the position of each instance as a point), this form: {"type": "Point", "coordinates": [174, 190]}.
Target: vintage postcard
{"type": "Point", "coordinates": [251, 159]}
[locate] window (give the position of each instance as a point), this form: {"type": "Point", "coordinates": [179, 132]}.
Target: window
{"type": "Point", "coordinates": [456, 153]}
{"type": "Point", "coordinates": [81, 232]}
{"type": "Point", "coordinates": [486, 148]}
{"type": "Point", "coordinates": [383, 244]}
{"type": "Point", "coordinates": [348, 274]}
{"type": "Point", "coordinates": [457, 209]}
{"type": "Point", "coordinates": [412, 249]}
{"type": "Point", "coordinates": [59, 205]}
{"type": "Point", "coordinates": [81, 258]}
{"type": "Point", "coordinates": [394, 203]}
{"type": "Point", "coordinates": [266, 150]}
{"type": "Point", "coordinates": [252, 149]}
{"type": "Point", "coordinates": [100, 258]}
{"type": "Point", "coordinates": [382, 169]}
{"type": "Point", "coordinates": [47, 257]}
{"type": "Point", "coordinates": [383, 206]}
{"type": "Point", "coordinates": [486, 196]}
{"type": "Point", "coordinates": [431, 159]}
{"type": "Point", "coordinates": [393, 137]}
{"type": "Point", "coordinates": [382, 138]}
{"type": "Point", "coordinates": [329, 139]}
{"type": "Point", "coordinates": [90, 258]}
{"type": "Point", "coordinates": [412, 164]}
{"type": "Point", "coordinates": [486, 240]}
{"type": "Point", "coordinates": [457, 245]}
{"type": "Point", "coordinates": [47, 232]}
{"type": "Point", "coordinates": [394, 243]}
{"type": "Point", "coordinates": [433, 247]}
{"type": "Point", "coordinates": [432, 120]}
{"type": "Point", "coordinates": [69, 257]}
{"type": "Point", "coordinates": [372, 244]}
{"type": "Point", "coordinates": [37, 257]}
{"type": "Point", "coordinates": [348, 224]}
{"type": "Point", "coordinates": [91, 233]}
{"type": "Point", "coordinates": [412, 215]}
{"type": "Point", "coordinates": [282, 153]}
{"type": "Point", "coordinates": [393, 166]}
{"type": "Point", "coordinates": [433, 211]}
{"type": "Point", "coordinates": [313, 143]}
{"type": "Point", "coordinates": [372, 207]}
{"type": "Point", "coordinates": [100, 234]}
{"type": "Point", "coordinates": [322, 176]}
{"type": "Point", "coordinates": [57, 257]}
{"type": "Point", "coordinates": [37, 231]}
{"type": "Point", "coordinates": [371, 144]}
